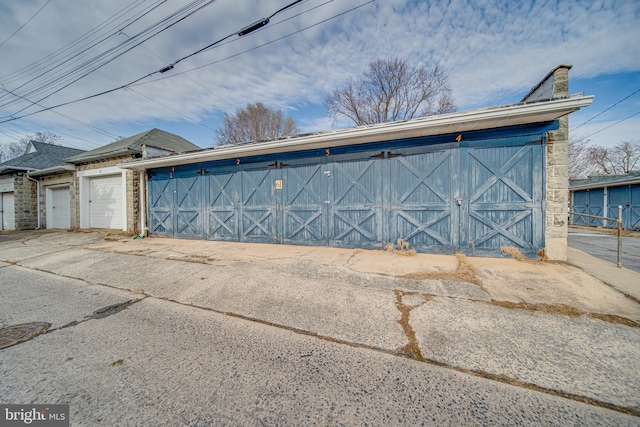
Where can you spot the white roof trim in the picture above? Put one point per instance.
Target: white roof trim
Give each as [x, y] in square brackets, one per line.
[486, 118]
[605, 184]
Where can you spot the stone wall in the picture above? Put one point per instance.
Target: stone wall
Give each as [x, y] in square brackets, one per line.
[556, 85]
[26, 203]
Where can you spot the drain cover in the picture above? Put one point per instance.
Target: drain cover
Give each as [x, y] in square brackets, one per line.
[12, 335]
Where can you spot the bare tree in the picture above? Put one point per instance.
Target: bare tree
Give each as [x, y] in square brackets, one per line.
[10, 150]
[580, 164]
[620, 159]
[390, 90]
[256, 122]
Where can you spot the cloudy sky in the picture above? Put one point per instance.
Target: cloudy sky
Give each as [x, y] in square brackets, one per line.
[56, 52]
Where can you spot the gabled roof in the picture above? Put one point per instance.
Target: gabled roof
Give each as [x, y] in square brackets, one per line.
[39, 155]
[133, 145]
[484, 118]
[601, 181]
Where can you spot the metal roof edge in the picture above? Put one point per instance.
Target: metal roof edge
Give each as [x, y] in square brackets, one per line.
[485, 118]
[100, 156]
[6, 169]
[605, 184]
[53, 169]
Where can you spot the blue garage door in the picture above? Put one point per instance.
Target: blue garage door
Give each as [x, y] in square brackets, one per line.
[161, 203]
[633, 214]
[504, 195]
[423, 191]
[590, 202]
[303, 190]
[473, 197]
[627, 196]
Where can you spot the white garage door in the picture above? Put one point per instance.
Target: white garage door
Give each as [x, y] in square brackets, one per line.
[60, 208]
[105, 202]
[8, 212]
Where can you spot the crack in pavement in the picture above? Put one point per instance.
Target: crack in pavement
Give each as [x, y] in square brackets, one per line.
[410, 351]
[412, 348]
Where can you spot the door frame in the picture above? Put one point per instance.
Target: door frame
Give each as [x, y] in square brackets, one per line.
[84, 191]
[49, 201]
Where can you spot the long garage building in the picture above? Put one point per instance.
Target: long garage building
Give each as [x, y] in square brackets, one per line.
[469, 182]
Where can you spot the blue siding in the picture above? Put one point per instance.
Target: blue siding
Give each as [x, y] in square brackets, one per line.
[580, 205]
[633, 215]
[590, 202]
[627, 196]
[221, 198]
[474, 195]
[504, 197]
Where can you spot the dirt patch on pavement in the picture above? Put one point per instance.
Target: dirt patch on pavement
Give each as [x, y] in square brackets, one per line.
[412, 348]
[564, 310]
[464, 273]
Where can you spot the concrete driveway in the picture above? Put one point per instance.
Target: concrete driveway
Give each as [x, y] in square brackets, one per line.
[604, 245]
[547, 328]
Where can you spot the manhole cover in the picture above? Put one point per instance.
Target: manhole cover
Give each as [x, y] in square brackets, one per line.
[12, 335]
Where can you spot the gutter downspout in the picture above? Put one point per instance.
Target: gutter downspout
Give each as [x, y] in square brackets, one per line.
[37, 196]
[142, 182]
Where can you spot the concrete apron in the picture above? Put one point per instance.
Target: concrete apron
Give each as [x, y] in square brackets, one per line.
[545, 326]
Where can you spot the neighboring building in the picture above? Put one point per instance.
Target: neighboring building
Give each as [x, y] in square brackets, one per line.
[107, 196]
[470, 181]
[601, 196]
[22, 199]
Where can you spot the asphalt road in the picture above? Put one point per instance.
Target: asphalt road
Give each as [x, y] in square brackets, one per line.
[605, 246]
[158, 362]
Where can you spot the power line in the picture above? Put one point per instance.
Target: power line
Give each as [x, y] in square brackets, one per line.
[165, 69]
[104, 132]
[191, 119]
[51, 60]
[23, 25]
[605, 110]
[611, 125]
[150, 29]
[189, 77]
[93, 143]
[253, 48]
[76, 144]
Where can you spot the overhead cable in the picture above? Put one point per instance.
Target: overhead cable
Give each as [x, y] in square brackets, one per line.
[23, 25]
[164, 69]
[170, 23]
[604, 111]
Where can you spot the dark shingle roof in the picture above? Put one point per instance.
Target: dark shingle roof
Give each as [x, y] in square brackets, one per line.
[45, 156]
[600, 181]
[133, 145]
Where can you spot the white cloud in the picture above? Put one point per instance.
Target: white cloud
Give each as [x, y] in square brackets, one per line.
[492, 51]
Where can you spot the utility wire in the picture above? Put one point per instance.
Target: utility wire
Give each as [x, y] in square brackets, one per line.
[191, 119]
[611, 125]
[605, 110]
[186, 75]
[93, 143]
[51, 59]
[80, 122]
[122, 53]
[169, 67]
[23, 25]
[76, 144]
[242, 32]
[253, 48]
